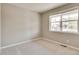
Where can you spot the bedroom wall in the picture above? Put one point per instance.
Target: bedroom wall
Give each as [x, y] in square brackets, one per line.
[0, 25]
[19, 24]
[67, 38]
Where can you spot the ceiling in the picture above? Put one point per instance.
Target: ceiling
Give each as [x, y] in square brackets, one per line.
[39, 7]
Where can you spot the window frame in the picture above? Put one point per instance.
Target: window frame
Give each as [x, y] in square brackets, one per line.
[61, 13]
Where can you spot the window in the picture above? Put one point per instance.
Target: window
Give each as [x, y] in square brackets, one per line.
[66, 22]
[55, 23]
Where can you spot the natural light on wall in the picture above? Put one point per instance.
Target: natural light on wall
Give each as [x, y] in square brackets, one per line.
[64, 22]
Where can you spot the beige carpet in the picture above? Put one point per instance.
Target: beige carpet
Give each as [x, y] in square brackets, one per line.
[39, 47]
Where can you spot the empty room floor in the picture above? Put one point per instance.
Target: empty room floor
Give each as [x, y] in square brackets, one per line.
[39, 47]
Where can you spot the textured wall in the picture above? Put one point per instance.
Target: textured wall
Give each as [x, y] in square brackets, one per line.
[18, 24]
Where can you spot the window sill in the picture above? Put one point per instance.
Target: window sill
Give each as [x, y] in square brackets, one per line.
[66, 32]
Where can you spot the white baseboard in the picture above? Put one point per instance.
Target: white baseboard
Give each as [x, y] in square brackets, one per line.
[61, 43]
[19, 43]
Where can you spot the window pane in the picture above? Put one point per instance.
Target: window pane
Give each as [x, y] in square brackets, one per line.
[72, 15]
[69, 26]
[54, 18]
[55, 26]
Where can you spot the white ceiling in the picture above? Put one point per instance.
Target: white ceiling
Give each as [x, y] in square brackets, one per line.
[38, 7]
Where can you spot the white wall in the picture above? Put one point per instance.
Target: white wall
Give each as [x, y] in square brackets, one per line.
[0, 24]
[58, 36]
[19, 24]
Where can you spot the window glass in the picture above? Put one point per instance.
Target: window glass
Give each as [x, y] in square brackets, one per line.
[70, 16]
[55, 26]
[69, 26]
[55, 18]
